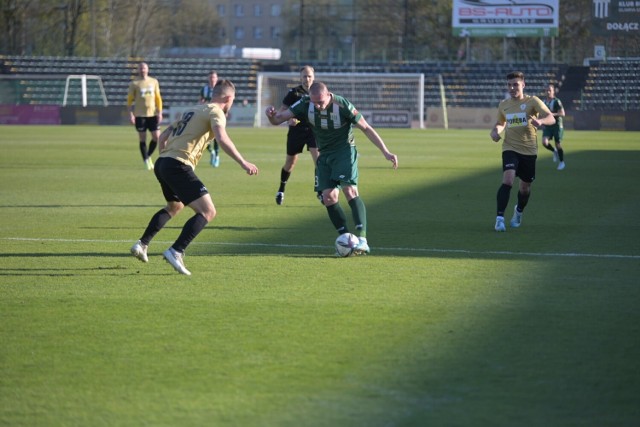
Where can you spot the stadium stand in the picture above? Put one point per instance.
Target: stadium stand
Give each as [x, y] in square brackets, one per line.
[41, 79]
[610, 85]
[466, 84]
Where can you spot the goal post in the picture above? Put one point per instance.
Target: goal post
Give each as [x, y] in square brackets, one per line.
[83, 78]
[392, 99]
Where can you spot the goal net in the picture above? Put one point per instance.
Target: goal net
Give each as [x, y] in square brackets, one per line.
[384, 99]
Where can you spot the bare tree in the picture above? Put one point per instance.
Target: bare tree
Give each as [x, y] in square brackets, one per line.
[12, 25]
[72, 13]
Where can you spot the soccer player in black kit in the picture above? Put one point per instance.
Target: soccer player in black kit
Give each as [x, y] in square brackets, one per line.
[299, 134]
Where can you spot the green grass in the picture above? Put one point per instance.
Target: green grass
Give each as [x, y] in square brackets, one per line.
[446, 323]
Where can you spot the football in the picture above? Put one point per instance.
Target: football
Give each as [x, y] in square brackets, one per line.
[345, 243]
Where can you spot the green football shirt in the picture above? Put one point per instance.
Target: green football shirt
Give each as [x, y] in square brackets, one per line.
[555, 105]
[333, 127]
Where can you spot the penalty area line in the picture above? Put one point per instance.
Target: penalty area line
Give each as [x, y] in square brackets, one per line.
[382, 249]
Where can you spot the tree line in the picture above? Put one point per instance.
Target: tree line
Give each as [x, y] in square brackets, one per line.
[356, 30]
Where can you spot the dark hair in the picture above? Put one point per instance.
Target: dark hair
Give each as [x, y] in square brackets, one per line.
[515, 75]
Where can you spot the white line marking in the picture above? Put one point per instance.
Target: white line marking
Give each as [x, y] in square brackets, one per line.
[282, 245]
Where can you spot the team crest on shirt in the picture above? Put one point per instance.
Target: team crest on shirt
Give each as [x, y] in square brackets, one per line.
[523, 107]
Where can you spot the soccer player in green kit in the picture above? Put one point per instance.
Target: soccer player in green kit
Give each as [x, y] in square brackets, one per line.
[554, 132]
[332, 118]
[519, 117]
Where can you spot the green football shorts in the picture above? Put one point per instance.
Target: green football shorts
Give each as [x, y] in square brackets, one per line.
[337, 168]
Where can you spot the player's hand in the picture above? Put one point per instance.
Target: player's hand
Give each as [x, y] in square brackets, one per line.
[393, 159]
[495, 136]
[250, 168]
[293, 121]
[270, 111]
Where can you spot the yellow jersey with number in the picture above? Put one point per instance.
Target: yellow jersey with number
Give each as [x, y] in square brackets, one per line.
[145, 96]
[192, 132]
[516, 114]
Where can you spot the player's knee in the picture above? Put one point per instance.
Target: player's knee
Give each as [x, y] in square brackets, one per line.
[209, 213]
[174, 208]
[330, 197]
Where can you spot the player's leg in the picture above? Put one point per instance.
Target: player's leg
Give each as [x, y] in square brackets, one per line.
[216, 147]
[526, 171]
[347, 169]
[154, 128]
[295, 145]
[160, 218]
[142, 138]
[314, 156]
[141, 129]
[558, 140]
[215, 154]
[359, 214]
[285, 173]
[546, 143]
[331, 194]
[204, 213]
[509, 164]
[192, 192]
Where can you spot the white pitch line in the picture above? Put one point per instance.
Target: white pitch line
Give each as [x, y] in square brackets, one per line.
[283, 245]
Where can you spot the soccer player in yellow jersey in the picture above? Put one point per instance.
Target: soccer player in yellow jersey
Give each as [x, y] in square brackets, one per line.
[519, 118]
[145, 108]
[181, 147]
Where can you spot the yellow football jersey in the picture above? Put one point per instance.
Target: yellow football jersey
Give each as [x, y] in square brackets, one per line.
[145, 94]
[519, 134]
[192, 133]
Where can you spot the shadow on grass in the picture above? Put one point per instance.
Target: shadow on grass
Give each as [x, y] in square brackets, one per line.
[555, 343]
[572, 212]
[552, 343]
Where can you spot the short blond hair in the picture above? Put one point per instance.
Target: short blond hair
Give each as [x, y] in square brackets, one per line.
[224, 88]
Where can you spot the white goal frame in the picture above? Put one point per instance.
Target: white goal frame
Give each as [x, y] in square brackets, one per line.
[415, 106]
[83, 88]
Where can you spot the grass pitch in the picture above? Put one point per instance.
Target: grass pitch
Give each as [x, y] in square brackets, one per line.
[446, 323]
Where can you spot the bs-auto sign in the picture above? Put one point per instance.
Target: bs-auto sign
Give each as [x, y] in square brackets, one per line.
[505, 18]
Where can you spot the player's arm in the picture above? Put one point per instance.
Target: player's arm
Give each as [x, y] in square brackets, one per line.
[545, 117]
[131, 96]
[159, 103]
[373, 136]
[498, 128]
[164, 137]
[277, 117]
[230, 148]
[292, 121]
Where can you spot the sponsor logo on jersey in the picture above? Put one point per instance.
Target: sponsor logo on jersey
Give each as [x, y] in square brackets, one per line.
[516, 120]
